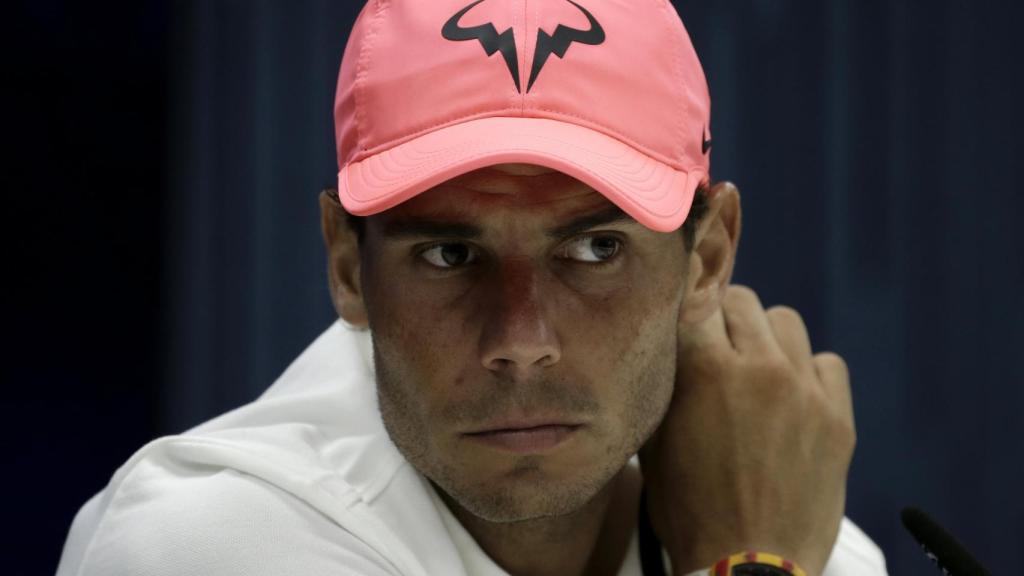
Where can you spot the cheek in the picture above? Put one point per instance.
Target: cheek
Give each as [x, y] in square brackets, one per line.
[628, 347]
[413, 383]
[637, 371]
[648, 389]
[399, 312]
[629, 324]
[420, 346]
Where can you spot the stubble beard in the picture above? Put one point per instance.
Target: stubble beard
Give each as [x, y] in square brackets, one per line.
[519, 498]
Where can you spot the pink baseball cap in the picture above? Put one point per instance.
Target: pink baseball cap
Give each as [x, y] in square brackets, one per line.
[610, 92]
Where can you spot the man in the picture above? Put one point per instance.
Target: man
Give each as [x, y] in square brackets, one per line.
[540, 366]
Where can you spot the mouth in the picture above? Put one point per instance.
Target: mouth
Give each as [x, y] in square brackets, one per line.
[525, 439]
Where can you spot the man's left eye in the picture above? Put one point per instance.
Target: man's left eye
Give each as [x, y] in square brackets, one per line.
[592, 249]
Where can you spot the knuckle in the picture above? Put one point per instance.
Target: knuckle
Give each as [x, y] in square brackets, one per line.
[785, 313]
[706, 365]
[845, 434]
[851, 433]
[821, 403]
[775, 379]
[775, 368]
[830, 363]
[705, 362]
[739, 291]
[787, 321]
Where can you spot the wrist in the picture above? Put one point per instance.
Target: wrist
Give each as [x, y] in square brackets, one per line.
[709, 555]
[751, 563]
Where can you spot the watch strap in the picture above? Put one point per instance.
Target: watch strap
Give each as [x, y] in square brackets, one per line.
[756, 564]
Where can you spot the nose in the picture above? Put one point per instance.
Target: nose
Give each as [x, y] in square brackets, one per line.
[517, 335]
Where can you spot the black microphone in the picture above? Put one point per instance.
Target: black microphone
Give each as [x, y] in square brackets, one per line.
[948, 554]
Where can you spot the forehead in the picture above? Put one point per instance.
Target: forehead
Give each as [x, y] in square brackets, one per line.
[525, 189]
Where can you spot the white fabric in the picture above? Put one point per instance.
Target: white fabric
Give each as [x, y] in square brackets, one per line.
[302, 481]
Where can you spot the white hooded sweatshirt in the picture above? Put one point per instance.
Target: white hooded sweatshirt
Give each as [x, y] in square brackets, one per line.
[303, 481]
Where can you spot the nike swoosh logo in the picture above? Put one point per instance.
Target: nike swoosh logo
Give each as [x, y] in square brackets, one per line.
[489, 38]
[559, 42]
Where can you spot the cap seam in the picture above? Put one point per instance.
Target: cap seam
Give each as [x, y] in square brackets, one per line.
[515, 98]
[524, 77]
[676, 68]
[362, 70]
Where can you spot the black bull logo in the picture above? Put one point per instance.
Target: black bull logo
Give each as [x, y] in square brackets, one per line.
[557, 43]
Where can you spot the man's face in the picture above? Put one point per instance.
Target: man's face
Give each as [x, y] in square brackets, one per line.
[512, 296]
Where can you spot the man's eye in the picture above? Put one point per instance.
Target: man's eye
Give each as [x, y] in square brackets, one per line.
[592, 249]
[449, 255]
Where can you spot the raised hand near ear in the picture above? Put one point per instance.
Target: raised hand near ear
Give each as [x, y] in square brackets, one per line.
[754, 451]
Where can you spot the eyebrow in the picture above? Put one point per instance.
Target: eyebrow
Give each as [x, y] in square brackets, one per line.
[426, 228]
[610, 215]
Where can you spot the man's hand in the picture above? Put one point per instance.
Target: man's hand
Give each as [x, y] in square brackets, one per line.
[754, 451]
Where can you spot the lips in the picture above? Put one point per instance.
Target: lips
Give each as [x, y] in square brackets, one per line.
[523, 437]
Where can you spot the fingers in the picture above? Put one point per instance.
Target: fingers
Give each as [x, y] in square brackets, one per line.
[754, 331]
[791, 334]
[746, 322]
[709, 333]
[742, 325]
[834, 376]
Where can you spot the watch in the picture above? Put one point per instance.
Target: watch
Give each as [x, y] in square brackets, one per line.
[756, 569]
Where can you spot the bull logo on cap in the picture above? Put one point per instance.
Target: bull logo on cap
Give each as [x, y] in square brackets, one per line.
[547, 44]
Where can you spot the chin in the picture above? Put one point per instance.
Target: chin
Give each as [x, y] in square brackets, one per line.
[526, 493]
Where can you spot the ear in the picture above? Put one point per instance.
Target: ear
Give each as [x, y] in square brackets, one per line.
[714, 254]
[343, 261]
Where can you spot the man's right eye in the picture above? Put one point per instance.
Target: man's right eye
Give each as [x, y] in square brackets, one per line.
[449, 255]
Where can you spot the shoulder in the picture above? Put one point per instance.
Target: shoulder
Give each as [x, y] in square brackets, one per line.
[209, 521]
[282, 485]
[855, 554]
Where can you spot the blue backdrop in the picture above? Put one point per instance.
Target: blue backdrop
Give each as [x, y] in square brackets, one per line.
[876, 145]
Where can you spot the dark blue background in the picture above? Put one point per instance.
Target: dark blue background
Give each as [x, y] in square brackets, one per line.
[165, 263]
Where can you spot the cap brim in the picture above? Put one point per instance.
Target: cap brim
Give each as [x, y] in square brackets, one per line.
[655, 194]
